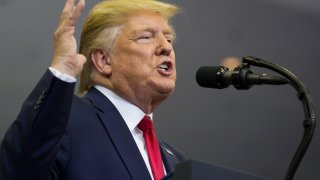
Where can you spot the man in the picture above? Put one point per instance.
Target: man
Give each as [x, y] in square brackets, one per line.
[127, 66]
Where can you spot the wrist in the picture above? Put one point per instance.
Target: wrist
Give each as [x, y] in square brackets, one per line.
[62, 76]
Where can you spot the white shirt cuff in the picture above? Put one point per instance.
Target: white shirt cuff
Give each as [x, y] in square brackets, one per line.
[61, 76]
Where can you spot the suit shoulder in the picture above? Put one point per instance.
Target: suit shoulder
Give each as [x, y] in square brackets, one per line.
[81, 103]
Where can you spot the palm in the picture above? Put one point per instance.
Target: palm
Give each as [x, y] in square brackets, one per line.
[66, 59]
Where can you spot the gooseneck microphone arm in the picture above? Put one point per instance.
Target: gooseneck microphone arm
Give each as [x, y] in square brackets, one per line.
[243, 78]
[305, 97]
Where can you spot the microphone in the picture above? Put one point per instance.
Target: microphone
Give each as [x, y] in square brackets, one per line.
[241, 77]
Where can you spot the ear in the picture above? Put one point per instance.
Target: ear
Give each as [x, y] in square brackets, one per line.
[101, 61]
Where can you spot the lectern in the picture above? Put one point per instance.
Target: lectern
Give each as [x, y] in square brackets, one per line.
[199, 170]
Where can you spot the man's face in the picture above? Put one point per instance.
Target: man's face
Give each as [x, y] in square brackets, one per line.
[142, 60]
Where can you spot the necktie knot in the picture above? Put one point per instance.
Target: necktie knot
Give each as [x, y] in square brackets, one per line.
[145, 124]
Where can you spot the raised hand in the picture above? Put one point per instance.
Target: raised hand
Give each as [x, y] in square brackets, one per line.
[66, 59]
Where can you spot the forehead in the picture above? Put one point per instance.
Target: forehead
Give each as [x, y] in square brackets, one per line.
[147, 21]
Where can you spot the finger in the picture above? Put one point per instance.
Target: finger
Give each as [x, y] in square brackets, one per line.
[81, 3]
[71, 18]
[78, 10]
[68, 7]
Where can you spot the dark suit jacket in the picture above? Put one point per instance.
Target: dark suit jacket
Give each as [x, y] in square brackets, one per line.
[61, 136]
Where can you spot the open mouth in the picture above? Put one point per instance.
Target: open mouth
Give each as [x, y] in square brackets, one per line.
[165, 67]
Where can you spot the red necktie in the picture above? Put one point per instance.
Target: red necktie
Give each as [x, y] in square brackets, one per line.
[152, 144]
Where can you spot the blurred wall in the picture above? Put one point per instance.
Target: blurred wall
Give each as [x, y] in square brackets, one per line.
[256, 131]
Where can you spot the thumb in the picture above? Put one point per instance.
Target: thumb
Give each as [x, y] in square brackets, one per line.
[80, 59]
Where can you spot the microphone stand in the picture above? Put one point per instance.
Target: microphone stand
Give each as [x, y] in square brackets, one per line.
[305, 97]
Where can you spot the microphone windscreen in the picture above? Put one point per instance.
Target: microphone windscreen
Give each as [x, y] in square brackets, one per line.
[206, 76]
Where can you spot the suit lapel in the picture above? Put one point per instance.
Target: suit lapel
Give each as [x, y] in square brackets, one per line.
[171, 157]
[120, 135]
[167, 158]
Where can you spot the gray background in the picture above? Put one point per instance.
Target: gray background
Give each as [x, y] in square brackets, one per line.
[256, 131]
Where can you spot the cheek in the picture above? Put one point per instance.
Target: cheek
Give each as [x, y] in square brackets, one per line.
[138, 55]
[142, 61]
[131, 57]
[144, 54]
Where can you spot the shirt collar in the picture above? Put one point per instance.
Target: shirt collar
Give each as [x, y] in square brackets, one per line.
[131, 113]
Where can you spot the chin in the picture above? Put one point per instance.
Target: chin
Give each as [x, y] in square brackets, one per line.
[161, 87]
[166, 90]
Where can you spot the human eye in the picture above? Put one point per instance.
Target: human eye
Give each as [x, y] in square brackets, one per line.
[170, 39]
[144, 37]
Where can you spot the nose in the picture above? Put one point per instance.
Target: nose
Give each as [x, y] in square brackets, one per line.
[164, 47]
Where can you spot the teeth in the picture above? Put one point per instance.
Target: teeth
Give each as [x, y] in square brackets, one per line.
[163, 66]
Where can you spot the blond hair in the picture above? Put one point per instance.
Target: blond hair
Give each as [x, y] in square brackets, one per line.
[103, 23]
